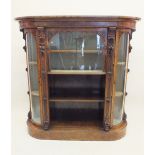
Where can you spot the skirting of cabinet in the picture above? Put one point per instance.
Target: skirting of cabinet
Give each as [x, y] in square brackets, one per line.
[75, 131]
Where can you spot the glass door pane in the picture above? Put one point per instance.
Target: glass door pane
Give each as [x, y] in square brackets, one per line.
[33, 78]
[75, 52]
[76, 74]
[121, 69]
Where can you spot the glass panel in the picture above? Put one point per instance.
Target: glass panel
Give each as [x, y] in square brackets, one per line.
[35, 109]
[118, 110]
[31, 48]
[123, 48]
[120, 79]
[33, 77]
[76, 51]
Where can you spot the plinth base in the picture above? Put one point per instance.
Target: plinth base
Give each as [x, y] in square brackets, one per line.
[87, 131]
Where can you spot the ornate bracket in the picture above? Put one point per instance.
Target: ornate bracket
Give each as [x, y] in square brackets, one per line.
[107, 126]
[41, 39]
[24, 37]
[24, 48]
[130, 37]
[111, 40]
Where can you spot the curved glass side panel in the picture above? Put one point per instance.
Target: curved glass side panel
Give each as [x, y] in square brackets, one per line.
[33, 78]
[76, 51]
[121, 69]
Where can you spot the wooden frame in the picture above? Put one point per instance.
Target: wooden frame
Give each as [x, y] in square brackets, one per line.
[110, 29]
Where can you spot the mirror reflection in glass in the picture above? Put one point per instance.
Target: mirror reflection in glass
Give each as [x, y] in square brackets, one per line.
[76, 51]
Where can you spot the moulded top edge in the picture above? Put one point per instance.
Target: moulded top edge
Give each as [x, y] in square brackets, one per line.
[77, 18]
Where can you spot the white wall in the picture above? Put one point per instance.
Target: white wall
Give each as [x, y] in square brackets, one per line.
[133, 142]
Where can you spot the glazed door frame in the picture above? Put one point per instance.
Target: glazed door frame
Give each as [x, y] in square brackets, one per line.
[102, 32]
[43, 76]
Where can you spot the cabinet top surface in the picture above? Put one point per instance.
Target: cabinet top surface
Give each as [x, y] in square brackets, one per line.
[78, 18]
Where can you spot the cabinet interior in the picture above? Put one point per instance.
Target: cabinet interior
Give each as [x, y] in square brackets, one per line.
[76, 97]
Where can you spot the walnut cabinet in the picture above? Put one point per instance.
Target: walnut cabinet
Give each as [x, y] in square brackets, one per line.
[77, 70]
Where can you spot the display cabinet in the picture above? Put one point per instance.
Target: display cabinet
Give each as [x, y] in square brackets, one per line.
[77, 69]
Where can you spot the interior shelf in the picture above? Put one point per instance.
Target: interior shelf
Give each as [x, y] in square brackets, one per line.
[74, 51]
[69, 99]
[35, 93]
[77, 72]
[121, 63]
[72, 99]
[32, 62]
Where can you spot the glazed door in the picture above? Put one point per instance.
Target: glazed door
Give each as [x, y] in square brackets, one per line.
[76, 51]
[76, 72]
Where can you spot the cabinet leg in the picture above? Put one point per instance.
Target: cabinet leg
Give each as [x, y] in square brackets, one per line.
[46, 125]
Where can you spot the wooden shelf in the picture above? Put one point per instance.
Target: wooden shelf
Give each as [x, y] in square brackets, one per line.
[91, 100]
[32, 62]
[121, 63]
[74, 51]
[119, 93]
[77, 72]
